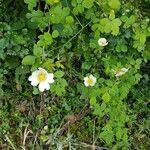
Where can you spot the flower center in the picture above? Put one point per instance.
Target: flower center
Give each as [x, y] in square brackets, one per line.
[89, 81]
[41, 76]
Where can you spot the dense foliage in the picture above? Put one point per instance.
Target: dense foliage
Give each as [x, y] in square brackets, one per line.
[62, 36]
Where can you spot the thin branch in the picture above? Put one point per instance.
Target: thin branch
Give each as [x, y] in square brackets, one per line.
[9, 141]
[91, 146]
[73, 36]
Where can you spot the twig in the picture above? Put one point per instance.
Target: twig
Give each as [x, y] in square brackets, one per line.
[91, 146]
[73, 36]
[51, 139]
[42, 107]
[25, 134]
[9, 141]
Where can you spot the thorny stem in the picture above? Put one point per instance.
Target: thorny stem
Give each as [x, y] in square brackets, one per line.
[42, 102]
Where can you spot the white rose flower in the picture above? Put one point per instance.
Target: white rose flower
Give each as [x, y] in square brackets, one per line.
[42, 78]
[45, 127]
[89, 81]
[120, 72]
[102, 42]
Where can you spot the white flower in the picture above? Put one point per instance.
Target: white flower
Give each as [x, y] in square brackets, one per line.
[45, 127]
[90, 80]
[120, 72]
[102, 42]
[42, 78]
[127, 10]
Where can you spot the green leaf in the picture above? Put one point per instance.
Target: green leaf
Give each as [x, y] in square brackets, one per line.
[142, 38]
[106, 97]
[59, 86]
[114, 4]
[69, 20]
[12, 61]
[45, 39]
[52, 2]
[88, 3]
[22, 70]
[3, 43]
[124, 48]
[119, 134]
[86, 65]
[37, 51]
[59, 74]
[31, 3]
[35, 91]
[28, 60]
[48, 38]
[92, 101]
[18, 25]
[112, 15]
[55, 34]
[63, 82]
[128, 21]
[1, 93]
[49, 64]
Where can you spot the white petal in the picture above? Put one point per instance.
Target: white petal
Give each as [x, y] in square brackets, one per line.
[44, 86]
[93, 78]
[105, 44]
[34, 75]
[85, 78]
[30, 78]
[124, 69]
[33, 78]
[102, 42]
[119, 74]
[85, 83]
[42, 69]
[50, 77]
[34, 82]
[92, 84]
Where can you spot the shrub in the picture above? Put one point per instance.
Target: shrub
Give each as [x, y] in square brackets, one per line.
[66, 38]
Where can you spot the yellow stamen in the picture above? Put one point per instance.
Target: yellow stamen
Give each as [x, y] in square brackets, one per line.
[89, 81]
[41, 76]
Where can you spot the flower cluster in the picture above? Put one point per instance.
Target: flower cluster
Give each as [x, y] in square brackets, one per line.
[43, 79]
